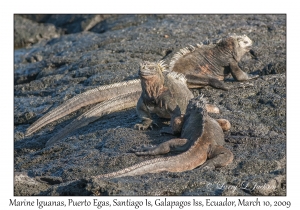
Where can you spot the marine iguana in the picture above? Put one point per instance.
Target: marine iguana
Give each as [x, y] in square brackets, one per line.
[208, 64]
[203, 65]
[163, 92]
[201, 143]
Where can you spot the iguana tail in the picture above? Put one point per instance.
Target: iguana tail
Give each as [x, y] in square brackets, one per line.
[150, 166]
[95, 95]
[178, 163]
[111, 105]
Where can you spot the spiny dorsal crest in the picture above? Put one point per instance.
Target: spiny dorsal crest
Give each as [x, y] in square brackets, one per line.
[160, 64]
[201, 100]
[198, 103]
[150, 68]
[177, 76]
[185, 51]
[181, 53]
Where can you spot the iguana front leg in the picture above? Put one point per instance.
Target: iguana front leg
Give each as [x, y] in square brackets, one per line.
[238, 74]
[144, 114]
[163, 148]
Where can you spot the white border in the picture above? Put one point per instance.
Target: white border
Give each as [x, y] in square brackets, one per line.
[162, 6]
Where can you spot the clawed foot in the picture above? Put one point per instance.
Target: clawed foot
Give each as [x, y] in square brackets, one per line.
[243, 85]
[243, 78]
[145, 126]
[252, 76]
[208, 165]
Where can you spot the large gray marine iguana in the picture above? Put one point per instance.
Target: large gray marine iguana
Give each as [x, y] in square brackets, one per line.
[163, 92]
[202, 65]
[201, 144]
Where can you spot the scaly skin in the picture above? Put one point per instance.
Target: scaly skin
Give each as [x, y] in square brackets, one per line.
[201, 144]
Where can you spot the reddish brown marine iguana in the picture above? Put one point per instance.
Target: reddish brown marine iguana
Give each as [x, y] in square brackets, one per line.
[203, 65]
[201, 144]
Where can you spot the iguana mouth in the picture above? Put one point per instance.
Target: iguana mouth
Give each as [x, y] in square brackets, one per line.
[248, 48]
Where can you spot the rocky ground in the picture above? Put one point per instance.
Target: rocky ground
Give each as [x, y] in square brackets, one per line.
[59, 56]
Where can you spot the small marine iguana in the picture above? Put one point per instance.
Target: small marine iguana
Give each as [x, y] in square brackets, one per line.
[208, 64]
[203, 65]
[201, 144]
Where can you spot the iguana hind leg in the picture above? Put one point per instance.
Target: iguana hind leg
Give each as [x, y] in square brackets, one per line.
[218, 156]
[163, 148]
[194, 81]
[225, 124]
[212, 108]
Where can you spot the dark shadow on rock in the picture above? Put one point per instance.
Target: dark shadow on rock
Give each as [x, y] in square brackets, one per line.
[73, 188]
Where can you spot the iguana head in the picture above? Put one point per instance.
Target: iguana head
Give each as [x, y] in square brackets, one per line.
[244, 42]
[244, 45]
[198, 103]
[152, 79]
[237, 45]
